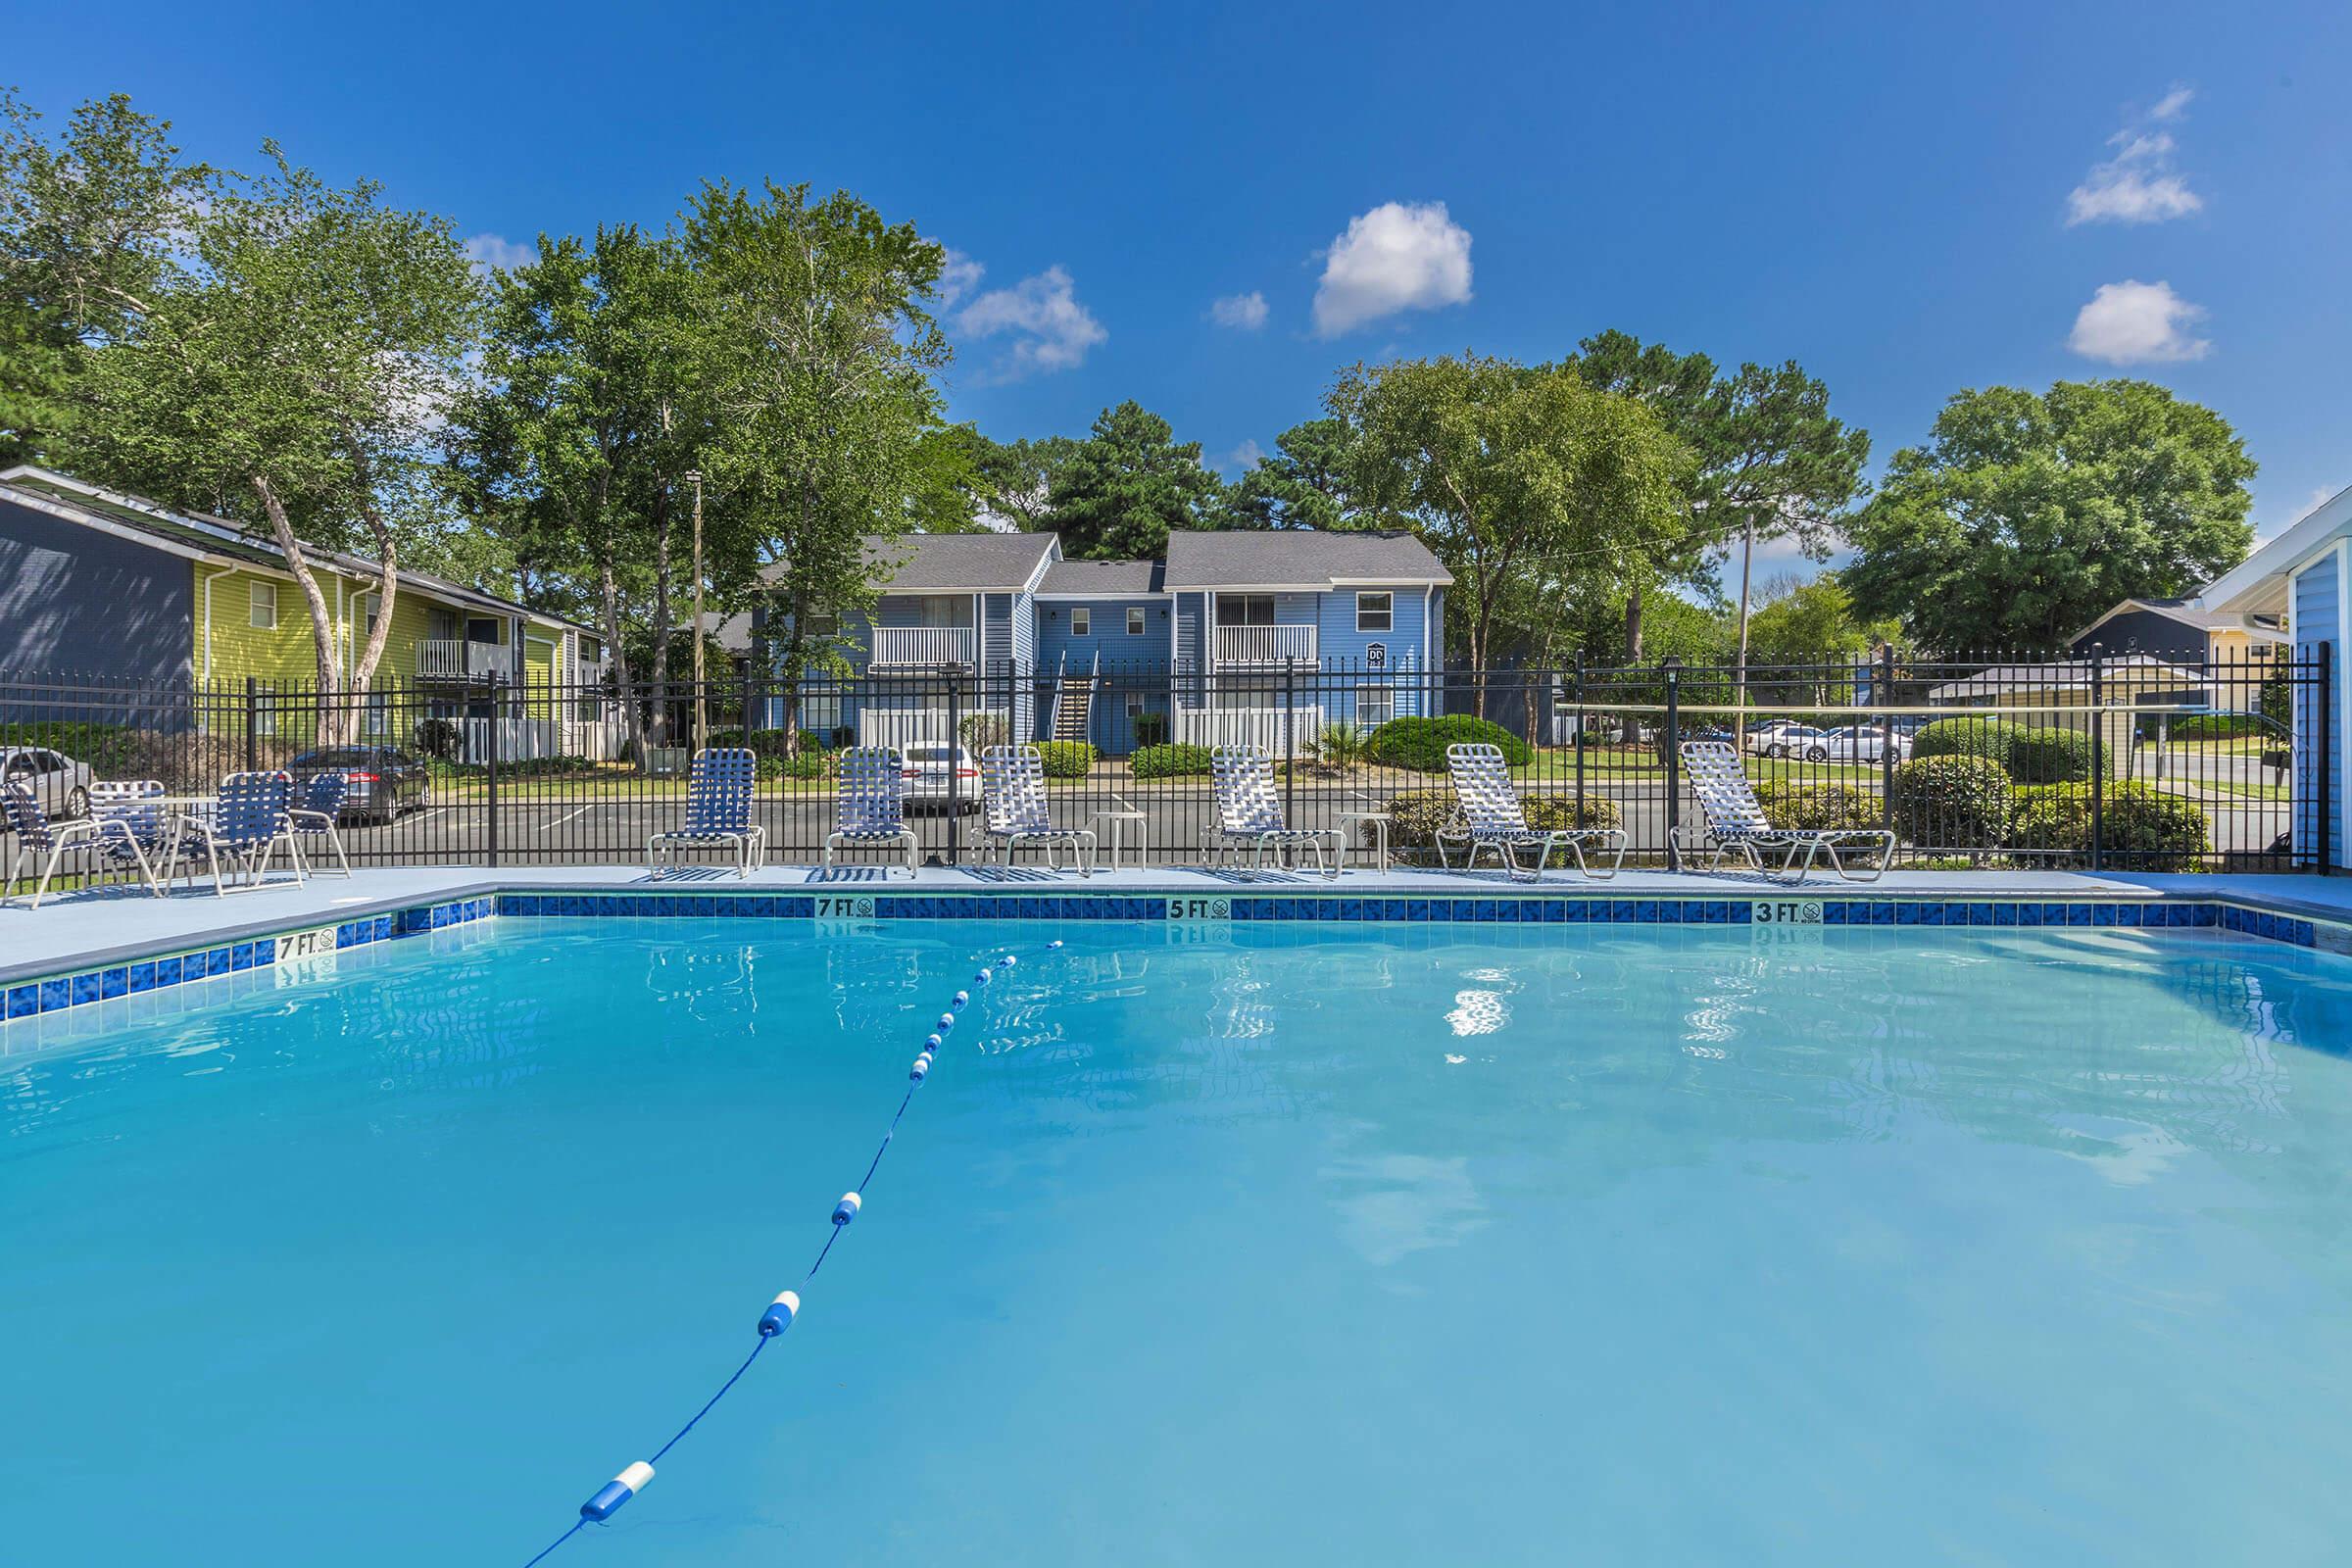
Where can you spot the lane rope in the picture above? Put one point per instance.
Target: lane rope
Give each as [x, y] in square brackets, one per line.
[780, 1312]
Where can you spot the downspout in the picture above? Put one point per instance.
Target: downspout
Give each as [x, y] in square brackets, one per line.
[208, 617]
[1429, 602]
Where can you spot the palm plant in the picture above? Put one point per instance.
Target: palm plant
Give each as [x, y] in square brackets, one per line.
[1339, 743]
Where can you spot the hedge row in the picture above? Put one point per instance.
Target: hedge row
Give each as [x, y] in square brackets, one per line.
[1170, 759]
[1419, 744]
[2027, 754]
[1967, 803]
[1416, 815]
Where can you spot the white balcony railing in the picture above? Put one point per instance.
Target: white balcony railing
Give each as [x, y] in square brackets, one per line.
[1265, 645]
[921, 647]
[449, 656]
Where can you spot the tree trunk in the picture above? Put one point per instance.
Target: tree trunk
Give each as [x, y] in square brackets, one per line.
[1633, 624]
[609, 590]
[387, 589]
[322, 626]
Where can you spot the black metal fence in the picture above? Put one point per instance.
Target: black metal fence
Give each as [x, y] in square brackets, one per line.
[2109, 762]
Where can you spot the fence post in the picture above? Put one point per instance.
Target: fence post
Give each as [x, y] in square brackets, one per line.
[1673, 669]
[1577, 735]
[2098, 755]
[252, 722]
[2319, 758]
[954, 774]
[1289, 746]
[1884, 692]
[490, 729]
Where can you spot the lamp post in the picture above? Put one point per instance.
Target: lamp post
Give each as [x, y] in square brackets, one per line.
[694, 477]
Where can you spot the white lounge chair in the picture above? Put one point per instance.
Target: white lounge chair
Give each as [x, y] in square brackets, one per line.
[1492, 818]
[870, 803]
[118, 833]
[1249, 812]
[1736, 820]
[1012, 793]
[718, 812]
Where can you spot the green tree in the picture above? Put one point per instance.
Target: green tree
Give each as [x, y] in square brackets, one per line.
[1811, 626]
[1520, 480]
[2025, 517]
[1128, 485]
[1770, 461]
[90, 227]
[296, 371]
[572, 445]
[816, 355]
[1300, 484]
[1012, 482]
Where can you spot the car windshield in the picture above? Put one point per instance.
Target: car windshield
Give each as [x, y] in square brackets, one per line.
[344, 757]
[929, 754]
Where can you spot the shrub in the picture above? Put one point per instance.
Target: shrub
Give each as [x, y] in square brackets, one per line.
[1818, 805]
[1067, 759]
[1987, 738]
[2144, 828]
[1171, 760]
[2214, 726]
[1339, 743]
[1416, 815]
[1151, 729]
[2053, 755]
[438, 739]
[1953, 802]
[1419, 744]
[810, 764]
[980, 731]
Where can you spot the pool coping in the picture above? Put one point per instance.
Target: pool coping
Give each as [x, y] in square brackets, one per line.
[287, 925]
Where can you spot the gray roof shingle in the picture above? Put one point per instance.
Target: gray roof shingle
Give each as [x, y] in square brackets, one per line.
[1299, 558]
[1108, 579]
[958, 563]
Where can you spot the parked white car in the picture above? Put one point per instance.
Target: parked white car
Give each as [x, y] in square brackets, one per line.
[1858, 743]
[1778, 739]
[929, 770]
[60, 784]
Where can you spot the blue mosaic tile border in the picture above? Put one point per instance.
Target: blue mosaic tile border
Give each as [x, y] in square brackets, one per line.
[32, 999]
[136, 977]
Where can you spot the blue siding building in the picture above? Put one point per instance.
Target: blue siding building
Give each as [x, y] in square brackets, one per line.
[1258, 637]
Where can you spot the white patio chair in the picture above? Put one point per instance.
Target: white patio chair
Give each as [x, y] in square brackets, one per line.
[1492, 818]
[115, 835]
[870, 803]
[719, 787]
[1736, 820]
[1013, 794]
[1249, 812]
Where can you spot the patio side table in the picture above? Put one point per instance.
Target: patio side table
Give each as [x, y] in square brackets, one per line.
[1378, 821]
[1117, 830]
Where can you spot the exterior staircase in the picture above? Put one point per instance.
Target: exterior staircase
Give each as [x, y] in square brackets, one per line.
[1075, 702]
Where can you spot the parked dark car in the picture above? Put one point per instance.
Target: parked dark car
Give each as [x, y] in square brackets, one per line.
[383, 781]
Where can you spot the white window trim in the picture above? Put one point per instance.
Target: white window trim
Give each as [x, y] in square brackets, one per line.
[1139, 620]
[1082, 621]
[257, 595]
[1386, 695]
[1388, 613]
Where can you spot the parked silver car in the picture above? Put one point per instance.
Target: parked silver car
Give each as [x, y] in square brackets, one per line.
[60, 784]
[1858, 743]
[1782, 739]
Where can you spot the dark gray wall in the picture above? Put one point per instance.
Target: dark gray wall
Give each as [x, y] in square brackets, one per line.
[2143, 631]
[73, 601]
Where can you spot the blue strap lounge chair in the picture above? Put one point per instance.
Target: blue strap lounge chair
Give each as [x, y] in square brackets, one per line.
[870, 804]
[1012, 792]
[719, 811]
[104, 840]
[252, 816]
[1491, 818]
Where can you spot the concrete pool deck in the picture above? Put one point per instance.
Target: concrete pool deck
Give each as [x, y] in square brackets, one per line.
[104, 925]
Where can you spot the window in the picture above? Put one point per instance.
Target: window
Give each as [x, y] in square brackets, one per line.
[1375, 611]
[1375, 706]
[1082, 621]
[820, 711]
[1135, 705]
[1135, 621]
[379, 717]
[373, 606]
[261, 606]
[820, 624]
[1245, 609]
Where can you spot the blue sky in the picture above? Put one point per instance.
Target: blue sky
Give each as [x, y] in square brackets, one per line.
[1907, 201]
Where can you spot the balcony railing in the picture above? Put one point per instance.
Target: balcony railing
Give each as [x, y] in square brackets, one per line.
[1265, 645]
[921, 647]
[455, 657]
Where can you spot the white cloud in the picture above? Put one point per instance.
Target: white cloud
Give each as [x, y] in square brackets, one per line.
[2138, 323]
[959, 276]
[1243, 458]
[488, 250]
[1049, 330]
[1245, 311]
[2138, 184]
[1393, 258]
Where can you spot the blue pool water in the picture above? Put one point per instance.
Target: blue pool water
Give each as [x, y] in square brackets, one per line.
[1335, 1246]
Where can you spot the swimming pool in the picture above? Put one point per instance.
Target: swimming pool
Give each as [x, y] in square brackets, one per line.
[1270, 1244]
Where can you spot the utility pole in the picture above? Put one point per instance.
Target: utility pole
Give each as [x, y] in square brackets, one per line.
[702, 730]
